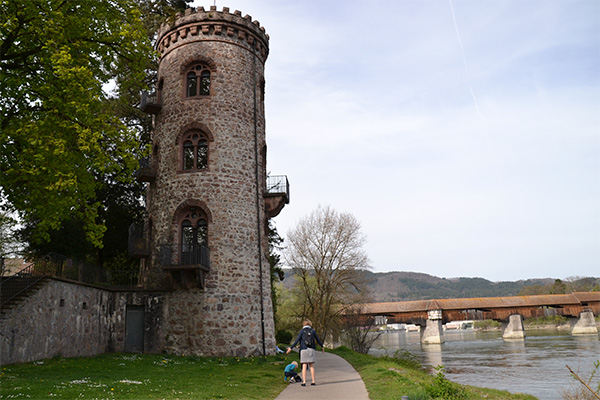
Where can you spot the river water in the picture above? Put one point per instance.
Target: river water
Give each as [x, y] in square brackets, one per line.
[536, 365]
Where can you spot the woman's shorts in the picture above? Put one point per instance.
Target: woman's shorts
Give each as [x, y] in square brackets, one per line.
[307, 356]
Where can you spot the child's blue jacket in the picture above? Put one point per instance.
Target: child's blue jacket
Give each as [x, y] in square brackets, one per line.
[289, 368]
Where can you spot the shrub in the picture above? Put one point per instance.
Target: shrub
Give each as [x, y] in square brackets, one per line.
[487, 324]
[407, 359]
[283, 336]
[442, 388]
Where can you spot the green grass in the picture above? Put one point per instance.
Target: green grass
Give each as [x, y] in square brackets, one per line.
[390, 378]
[128, 376]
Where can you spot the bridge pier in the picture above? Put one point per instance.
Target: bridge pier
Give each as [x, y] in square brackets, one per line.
[433, 332]
[586, 324]
[514, 329]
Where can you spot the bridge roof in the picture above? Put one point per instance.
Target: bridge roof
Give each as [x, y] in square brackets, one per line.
[587, 296]
[479, 303]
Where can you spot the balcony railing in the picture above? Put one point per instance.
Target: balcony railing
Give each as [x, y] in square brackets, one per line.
[177, 256]
[277, 194]
[149, 104]
[186, 267]
[278, 185]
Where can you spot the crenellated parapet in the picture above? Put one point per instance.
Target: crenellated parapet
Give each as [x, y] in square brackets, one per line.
[197, 24]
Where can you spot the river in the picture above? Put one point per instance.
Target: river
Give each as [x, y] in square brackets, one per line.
[536, 365]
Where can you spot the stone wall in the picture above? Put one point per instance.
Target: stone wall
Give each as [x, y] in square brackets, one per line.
[72, 320]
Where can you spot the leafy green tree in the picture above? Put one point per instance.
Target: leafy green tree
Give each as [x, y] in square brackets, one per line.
[558, 287]
[62, 135]
[118, 197]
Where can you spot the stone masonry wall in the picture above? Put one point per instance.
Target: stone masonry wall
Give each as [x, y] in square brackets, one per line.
[71, 320]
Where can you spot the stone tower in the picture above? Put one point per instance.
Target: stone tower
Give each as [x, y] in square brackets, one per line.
[209, 198]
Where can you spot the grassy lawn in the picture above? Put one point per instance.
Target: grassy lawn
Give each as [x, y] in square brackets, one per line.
[128, 376]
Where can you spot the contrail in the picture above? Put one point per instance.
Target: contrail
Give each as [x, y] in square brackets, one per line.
[462, 48]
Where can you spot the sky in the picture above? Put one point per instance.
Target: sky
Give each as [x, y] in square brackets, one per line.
[463, 135]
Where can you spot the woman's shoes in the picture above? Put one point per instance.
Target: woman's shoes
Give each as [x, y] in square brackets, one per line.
[313, 384]
[303, 384]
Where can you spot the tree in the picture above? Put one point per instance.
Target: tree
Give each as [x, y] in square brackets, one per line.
[277, 274]
[359, 332]
[326, 253]
[533, 290]
[62, 136]
[558, 287]
[580, 284]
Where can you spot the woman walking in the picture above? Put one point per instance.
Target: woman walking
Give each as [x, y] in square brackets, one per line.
[307, 337]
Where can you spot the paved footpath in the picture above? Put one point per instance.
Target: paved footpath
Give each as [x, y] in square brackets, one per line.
[335, 378]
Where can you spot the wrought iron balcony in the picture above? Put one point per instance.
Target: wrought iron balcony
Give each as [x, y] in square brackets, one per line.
[187, 266]
[150, 104]
[178, 256]
[147, 170]
[277, 194]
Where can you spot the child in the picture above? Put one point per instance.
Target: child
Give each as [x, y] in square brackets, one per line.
[290, 373]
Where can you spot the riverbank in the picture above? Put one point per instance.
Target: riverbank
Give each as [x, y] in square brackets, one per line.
[402, 375]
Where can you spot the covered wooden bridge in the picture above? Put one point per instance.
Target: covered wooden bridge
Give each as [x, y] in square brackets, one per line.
[510, 310]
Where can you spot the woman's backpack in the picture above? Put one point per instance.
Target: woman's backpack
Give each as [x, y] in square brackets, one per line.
[308, 337]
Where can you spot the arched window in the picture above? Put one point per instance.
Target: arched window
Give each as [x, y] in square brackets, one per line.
[194, 237]
[194, 152]
[198, 81]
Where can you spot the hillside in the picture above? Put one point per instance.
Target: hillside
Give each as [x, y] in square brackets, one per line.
[399, 286]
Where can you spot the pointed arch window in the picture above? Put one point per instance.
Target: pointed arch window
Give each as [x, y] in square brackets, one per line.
[198, 81]
[194, 152]
[194, 238]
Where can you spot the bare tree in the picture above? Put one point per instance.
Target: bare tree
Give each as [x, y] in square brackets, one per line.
[326, 252]
[359, 332]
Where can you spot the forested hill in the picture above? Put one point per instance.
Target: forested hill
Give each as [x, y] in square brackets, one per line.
[399, 286]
